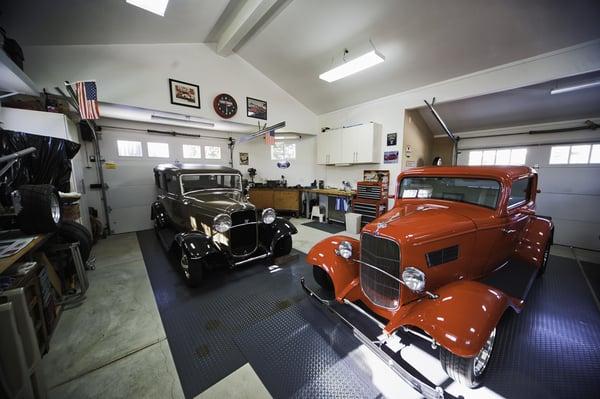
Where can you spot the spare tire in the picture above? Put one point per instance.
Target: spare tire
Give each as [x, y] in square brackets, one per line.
[74, 232]
[39, 208]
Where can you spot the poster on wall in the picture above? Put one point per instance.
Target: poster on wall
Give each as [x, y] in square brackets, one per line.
[392, 139]
[390, 157]
[256, 108]
[243, 158]
[186, 94]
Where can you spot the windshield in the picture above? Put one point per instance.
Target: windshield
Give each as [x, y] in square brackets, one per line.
[208, 181]
[483, 192]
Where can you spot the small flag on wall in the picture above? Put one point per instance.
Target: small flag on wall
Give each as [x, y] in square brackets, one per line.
[270, 137]
[87, 96]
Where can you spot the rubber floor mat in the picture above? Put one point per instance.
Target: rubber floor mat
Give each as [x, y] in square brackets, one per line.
[332, 228]
[592, 271]
[261, 316]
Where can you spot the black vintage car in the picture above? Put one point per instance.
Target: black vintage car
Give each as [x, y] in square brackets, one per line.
[203, 215]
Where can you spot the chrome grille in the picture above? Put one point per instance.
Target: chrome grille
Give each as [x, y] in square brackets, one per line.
[383, 254]
[243, 235]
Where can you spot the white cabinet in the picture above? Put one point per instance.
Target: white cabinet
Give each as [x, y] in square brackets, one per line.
[329, 148]
[351, 145]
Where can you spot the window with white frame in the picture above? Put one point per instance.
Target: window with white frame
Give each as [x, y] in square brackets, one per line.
[504, 156]
[126, 148]
[191, 151]
[212, 152]
[576, 154]
[158, 150]
[281, 151]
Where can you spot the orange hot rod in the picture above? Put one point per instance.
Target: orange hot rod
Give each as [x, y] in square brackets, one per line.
[460, 246]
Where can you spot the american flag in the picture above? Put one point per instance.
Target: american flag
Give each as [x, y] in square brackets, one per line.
[88, 100]
[270, 137]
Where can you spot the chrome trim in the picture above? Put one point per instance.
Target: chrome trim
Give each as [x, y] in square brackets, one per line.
[252, 259]
[378, 269]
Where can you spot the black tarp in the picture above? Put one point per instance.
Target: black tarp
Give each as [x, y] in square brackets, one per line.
[50, 164]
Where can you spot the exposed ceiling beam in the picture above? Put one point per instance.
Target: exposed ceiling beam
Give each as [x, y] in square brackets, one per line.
[241, 22]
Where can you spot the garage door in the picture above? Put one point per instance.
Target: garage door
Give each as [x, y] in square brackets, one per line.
[569, 177]
[131, 181]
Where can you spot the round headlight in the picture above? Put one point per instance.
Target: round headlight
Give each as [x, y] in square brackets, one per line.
[345, 250]
[222, 223]
[268, 216]
[414, 279]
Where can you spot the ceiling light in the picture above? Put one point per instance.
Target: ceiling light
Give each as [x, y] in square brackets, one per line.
[287, 137]
[576, 87]
[154, 6]
[350, 67]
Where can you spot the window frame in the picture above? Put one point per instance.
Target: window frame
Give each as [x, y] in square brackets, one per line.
[283, 144]
[213, 159]
[208, 189]
[483, 152]
[158, 142]
[191, 145]
[131, 156]
[527, 196]
[591, 145]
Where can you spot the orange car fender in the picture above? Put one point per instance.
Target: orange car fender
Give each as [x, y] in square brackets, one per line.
[534, 239]
[460, 319]
[343, 272]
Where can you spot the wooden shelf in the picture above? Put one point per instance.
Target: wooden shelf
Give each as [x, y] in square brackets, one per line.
[13, 79]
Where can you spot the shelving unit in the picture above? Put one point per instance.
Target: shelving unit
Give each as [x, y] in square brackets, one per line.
[13, 79]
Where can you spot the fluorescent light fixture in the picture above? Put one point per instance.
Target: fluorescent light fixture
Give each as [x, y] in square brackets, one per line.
[350, 67]
[574, 88]
[154, 6]
[287, 137]
[182, 118]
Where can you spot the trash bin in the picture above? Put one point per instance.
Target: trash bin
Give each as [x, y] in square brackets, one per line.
[353, 222]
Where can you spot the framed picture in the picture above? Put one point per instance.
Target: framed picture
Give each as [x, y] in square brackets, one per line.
[243, 158]
[186, 94]
[392, 139]
[256, 108]
[390, 157]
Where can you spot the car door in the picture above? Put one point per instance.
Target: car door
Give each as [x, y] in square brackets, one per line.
[518, 210]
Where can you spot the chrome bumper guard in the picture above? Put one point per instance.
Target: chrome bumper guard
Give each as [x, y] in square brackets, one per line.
[428, 391]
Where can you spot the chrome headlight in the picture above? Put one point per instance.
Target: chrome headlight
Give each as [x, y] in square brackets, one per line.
[414, 279]
[345, 250]
[268, 216]
[222, 223]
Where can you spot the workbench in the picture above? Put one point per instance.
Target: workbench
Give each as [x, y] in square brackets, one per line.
[328, 192]
[279, 198]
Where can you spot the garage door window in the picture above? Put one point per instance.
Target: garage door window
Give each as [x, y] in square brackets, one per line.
[577, 154]
[127, 148]
[212, 152]
[158, 150]
[192, 151]
[508, 156]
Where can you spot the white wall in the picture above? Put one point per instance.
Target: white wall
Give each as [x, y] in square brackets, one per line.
[137, 75]
[390, 110]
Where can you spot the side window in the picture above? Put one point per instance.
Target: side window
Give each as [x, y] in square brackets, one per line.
[163, 181]
[172, 184]
[519, 192]
[157, 178]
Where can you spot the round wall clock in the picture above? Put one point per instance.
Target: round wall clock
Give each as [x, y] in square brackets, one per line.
[225, 105]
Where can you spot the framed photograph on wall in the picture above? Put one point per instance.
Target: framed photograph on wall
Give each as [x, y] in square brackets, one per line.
[390, 157]
[243, 158]
[256, 108]
[186, 94]
[392, 139]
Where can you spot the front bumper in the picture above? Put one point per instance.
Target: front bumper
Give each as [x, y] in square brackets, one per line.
[425, 389]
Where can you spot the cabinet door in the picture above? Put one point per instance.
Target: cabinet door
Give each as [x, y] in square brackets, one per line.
[261, 199]
[335, 143]
[287, 200]
[322, 148]
[358, 144]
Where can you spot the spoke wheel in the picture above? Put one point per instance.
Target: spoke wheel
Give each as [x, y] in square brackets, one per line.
[482, 359]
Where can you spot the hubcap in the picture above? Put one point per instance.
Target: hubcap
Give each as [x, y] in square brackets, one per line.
[55, 208]
[185, 266]
[482, 359]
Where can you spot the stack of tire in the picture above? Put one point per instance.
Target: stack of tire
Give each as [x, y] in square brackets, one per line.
[39, 211]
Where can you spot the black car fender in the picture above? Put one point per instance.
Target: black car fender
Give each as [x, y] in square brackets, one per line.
[269, 234]
[196, 244]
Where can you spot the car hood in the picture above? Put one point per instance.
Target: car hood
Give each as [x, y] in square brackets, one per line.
[420, 223]
[216, 202]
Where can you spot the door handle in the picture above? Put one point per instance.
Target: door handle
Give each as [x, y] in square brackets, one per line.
[508, 231]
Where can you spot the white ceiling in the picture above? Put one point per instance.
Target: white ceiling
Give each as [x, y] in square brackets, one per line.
[523, 106]
[424, 41]
[64, 22]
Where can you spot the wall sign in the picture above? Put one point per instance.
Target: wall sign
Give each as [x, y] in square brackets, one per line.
[390, 157]
[243, 158]
[186, 94]
[392, 139]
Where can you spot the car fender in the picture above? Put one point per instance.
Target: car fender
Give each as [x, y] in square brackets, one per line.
[343, 272]
[536, 235]
[196, 244]
[269, 234]
[460, 319]
[158, 212]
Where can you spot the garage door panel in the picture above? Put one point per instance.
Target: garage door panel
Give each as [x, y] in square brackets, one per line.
[129, 174]
[124, 220]
[130, 196]
[570, 179]
[577, 233]
[563, 205]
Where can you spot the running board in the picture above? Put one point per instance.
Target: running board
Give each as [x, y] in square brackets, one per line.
[423, 388]
[263, 256]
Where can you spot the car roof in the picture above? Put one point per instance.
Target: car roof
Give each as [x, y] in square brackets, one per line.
[495, 172]
[181, 168]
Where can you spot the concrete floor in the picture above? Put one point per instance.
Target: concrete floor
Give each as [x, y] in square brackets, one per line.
[114, 344]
